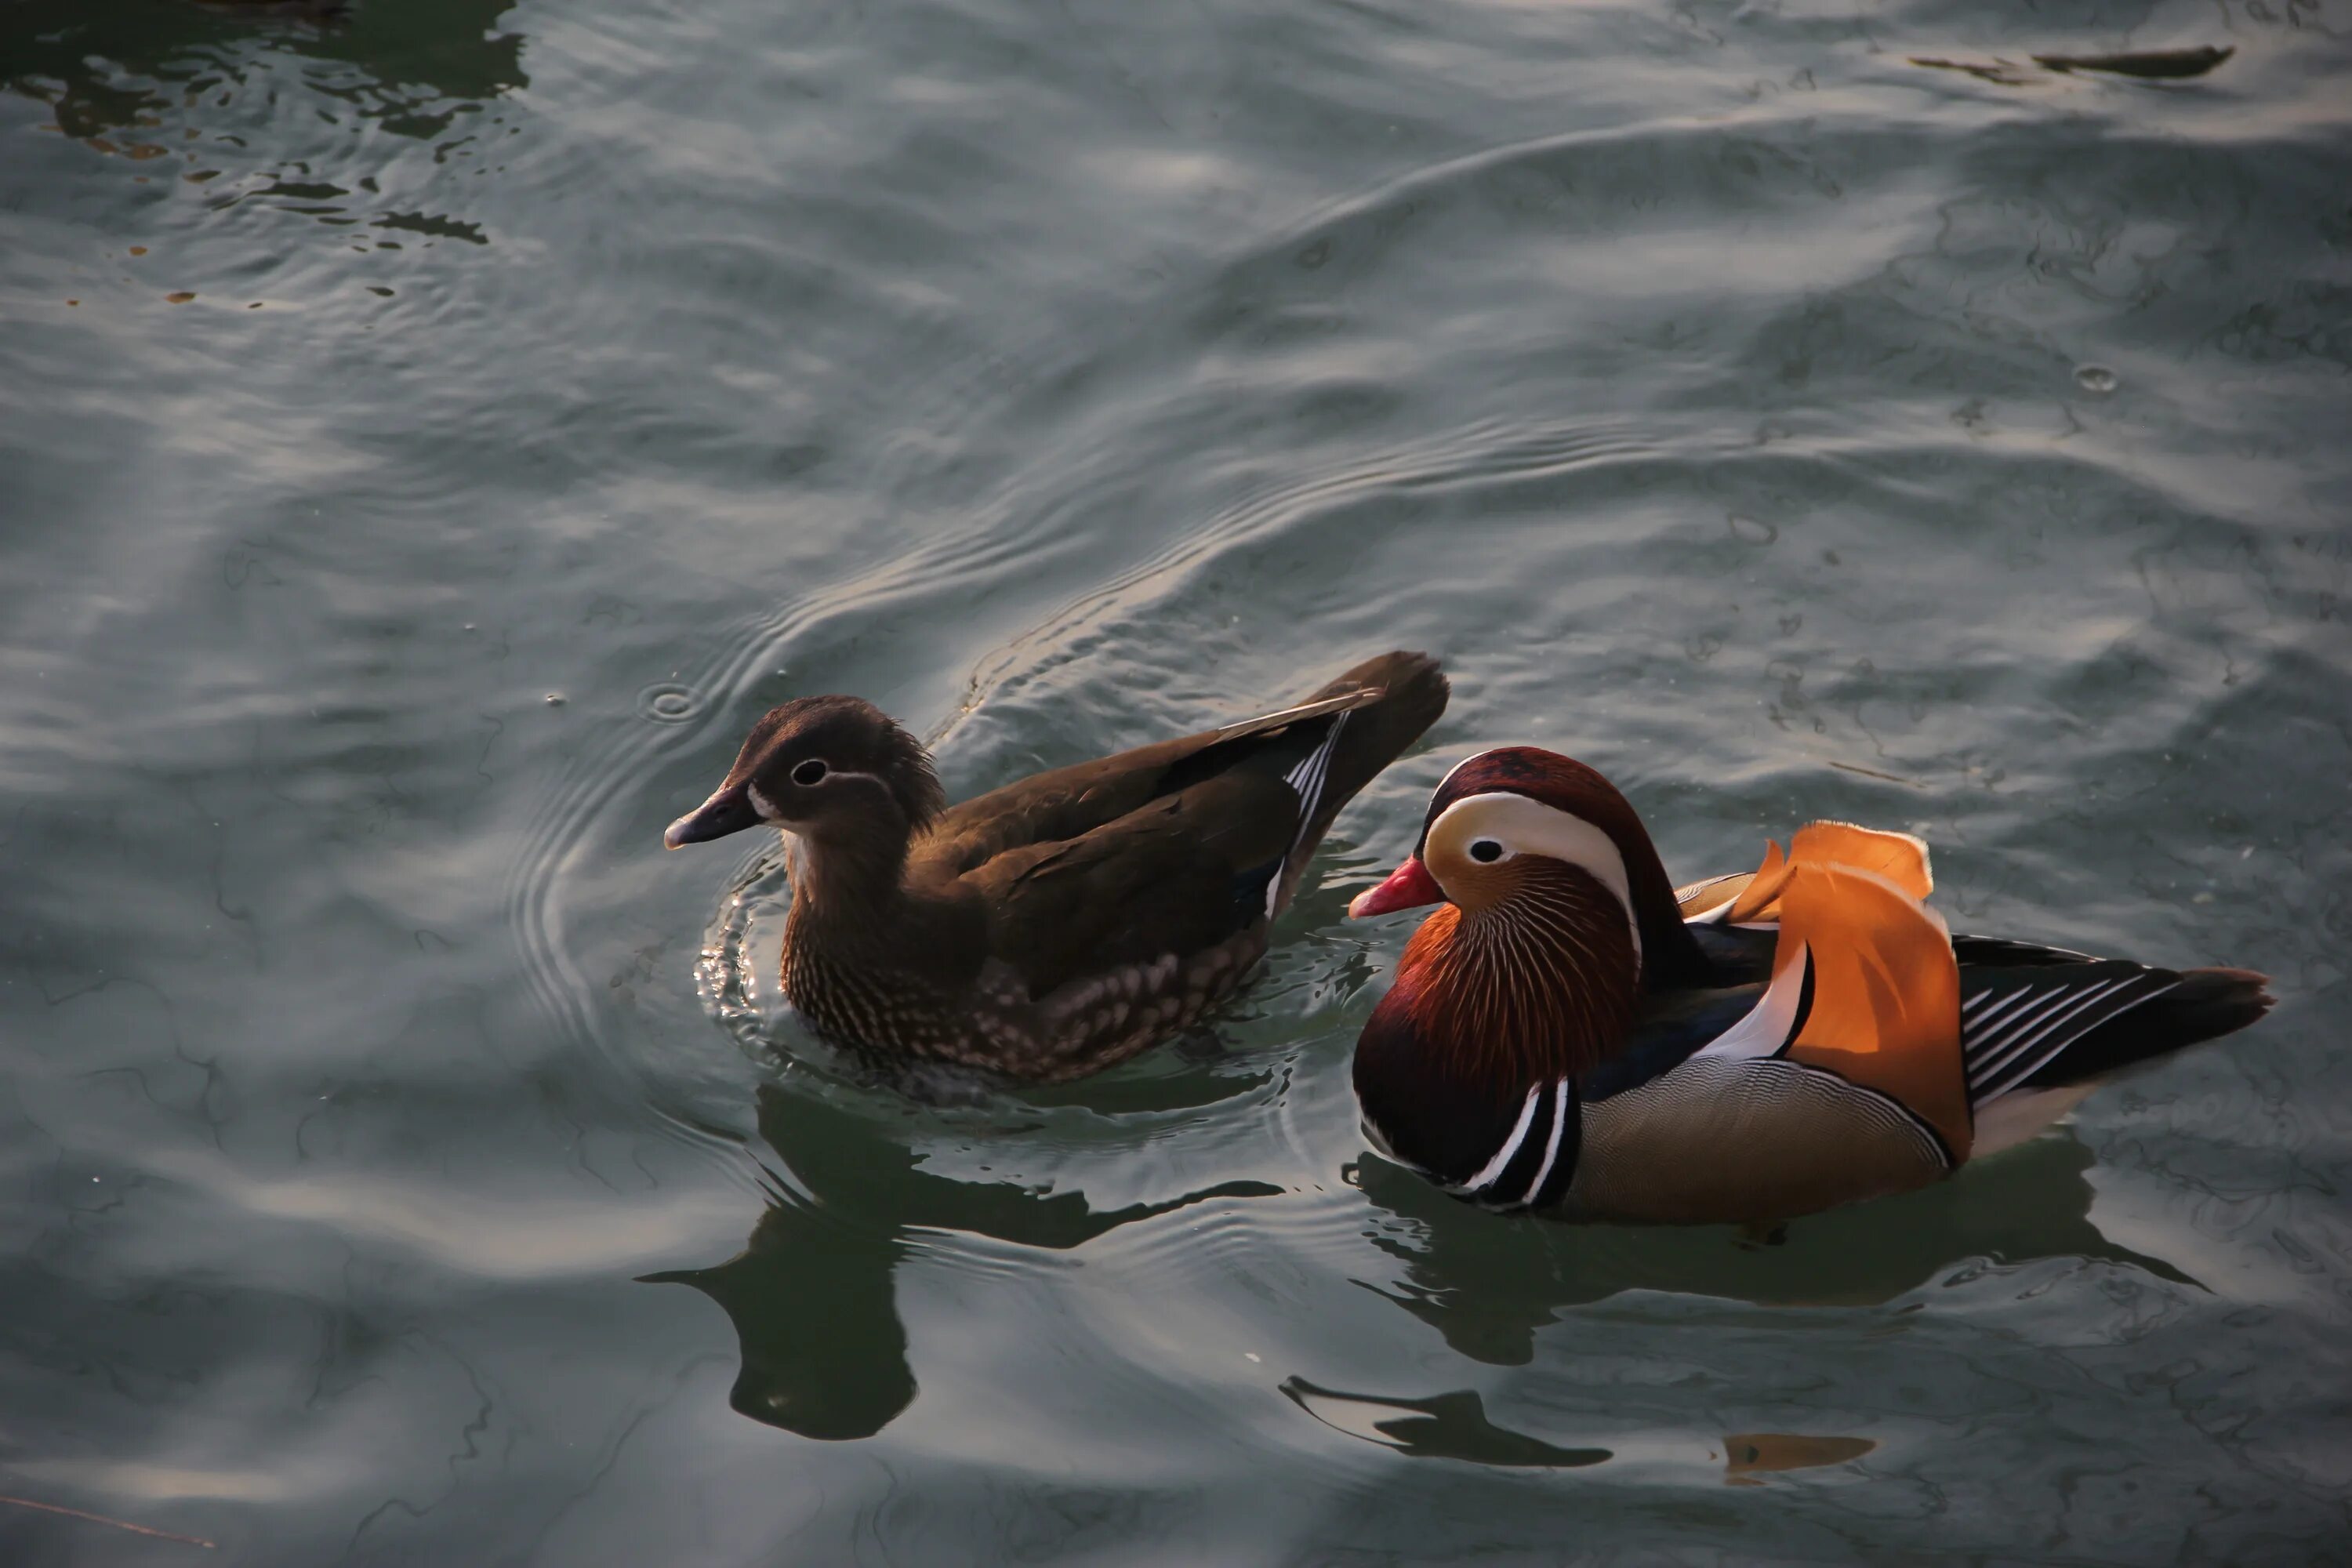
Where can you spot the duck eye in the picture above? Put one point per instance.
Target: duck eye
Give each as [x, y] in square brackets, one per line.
[809, 772]
[1486, 851]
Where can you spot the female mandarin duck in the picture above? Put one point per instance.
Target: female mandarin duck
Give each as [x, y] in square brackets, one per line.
[1570, 1034]
[1050, 928]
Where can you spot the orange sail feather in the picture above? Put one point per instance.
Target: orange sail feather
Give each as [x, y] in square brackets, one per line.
[1886, 989]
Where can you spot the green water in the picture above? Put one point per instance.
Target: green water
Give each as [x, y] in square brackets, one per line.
[403, 1161]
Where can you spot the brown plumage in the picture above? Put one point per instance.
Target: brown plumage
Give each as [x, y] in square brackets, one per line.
[1064, 921]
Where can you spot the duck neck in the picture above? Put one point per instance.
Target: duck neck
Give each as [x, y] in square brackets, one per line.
[1670, 958]
[847, 888]
[1535, 987]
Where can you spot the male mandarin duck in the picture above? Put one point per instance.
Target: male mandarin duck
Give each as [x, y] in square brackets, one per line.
[1063, 922]
[1570, 1034]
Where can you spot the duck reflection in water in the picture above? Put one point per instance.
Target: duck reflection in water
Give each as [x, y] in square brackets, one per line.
[1456, 1426]
[811, 1295]
[134, 64]
[1488, 1282]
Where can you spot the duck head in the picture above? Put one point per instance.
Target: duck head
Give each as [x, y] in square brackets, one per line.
[1555, 914]
[832, 770]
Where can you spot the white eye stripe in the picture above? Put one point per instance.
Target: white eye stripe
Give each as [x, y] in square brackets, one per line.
[767, 809]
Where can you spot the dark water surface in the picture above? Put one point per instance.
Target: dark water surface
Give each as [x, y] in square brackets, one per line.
[428, 439]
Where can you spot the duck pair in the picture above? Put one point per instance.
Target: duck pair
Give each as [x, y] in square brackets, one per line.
[1568, 1034]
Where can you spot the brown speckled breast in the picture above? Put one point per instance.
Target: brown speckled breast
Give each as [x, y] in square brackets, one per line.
[995, 1023]
[864, 1004]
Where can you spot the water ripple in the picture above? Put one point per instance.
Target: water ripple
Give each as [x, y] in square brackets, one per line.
[669, 703]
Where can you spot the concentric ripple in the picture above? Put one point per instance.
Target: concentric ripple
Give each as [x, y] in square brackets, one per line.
[669, 703]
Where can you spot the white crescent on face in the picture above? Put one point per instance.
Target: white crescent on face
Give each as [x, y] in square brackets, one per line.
[1524, 825]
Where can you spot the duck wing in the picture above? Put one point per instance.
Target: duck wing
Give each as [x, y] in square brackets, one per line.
[2038, 1017]
[1178, 877]
[1360, 722]
[1068, 803]
[1177, 848]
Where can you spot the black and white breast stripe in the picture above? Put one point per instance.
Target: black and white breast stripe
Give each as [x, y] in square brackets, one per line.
[1537, 1159]
[1306, 781]
[2015, 1022]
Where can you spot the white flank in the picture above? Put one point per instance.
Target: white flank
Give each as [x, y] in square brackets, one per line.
[2014, 1118]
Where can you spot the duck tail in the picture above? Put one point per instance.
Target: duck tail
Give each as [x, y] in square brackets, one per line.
[1411, 690]
[2204, 1005]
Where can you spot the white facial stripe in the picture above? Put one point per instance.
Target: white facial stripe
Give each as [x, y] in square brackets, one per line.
[768, 809]
[1530, 828]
